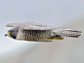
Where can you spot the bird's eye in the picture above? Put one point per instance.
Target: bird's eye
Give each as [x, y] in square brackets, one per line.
[11, 31]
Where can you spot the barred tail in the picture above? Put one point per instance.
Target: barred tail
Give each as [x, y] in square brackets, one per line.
[67, 32]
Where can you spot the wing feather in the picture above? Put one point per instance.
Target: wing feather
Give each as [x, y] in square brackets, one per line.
[13, 24]
[31, 26]
[36, 28]
[25, 23]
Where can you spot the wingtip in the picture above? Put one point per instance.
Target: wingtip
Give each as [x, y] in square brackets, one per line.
[7, 25]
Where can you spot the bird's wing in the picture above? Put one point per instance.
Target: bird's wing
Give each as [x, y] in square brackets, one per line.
[36, 26]
[25, 23]
[13, 24]
[31, 26]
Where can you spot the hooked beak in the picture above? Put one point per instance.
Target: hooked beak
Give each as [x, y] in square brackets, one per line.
[8, 33]
[5, 35]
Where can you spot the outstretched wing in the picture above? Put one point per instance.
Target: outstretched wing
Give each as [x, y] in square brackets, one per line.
[19, 23]
[31, 26]
[25, 23]
[36, 26]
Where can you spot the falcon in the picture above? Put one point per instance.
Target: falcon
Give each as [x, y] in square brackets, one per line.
[30, 31]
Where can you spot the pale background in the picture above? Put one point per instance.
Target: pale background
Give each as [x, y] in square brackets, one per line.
[59, 13]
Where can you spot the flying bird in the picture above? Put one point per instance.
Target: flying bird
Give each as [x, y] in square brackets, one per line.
[30, 31]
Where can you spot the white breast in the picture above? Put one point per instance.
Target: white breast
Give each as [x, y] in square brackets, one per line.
[20, 35]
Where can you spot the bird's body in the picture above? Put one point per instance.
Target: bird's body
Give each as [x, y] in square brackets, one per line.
[34, 35]
[30, 31]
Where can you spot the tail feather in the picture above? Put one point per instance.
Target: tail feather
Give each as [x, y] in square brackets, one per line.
[74, 33]
[68, 32]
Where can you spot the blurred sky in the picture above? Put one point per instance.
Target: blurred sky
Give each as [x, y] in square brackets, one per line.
[52, 12]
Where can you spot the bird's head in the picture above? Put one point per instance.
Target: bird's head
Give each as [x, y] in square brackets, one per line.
[12, 33]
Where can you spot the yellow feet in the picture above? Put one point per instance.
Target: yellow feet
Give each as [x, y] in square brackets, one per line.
[57, 37]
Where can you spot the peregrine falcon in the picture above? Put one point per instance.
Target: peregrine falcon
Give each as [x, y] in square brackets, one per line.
[30, 31]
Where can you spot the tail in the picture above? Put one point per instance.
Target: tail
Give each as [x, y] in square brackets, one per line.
[67, 32]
